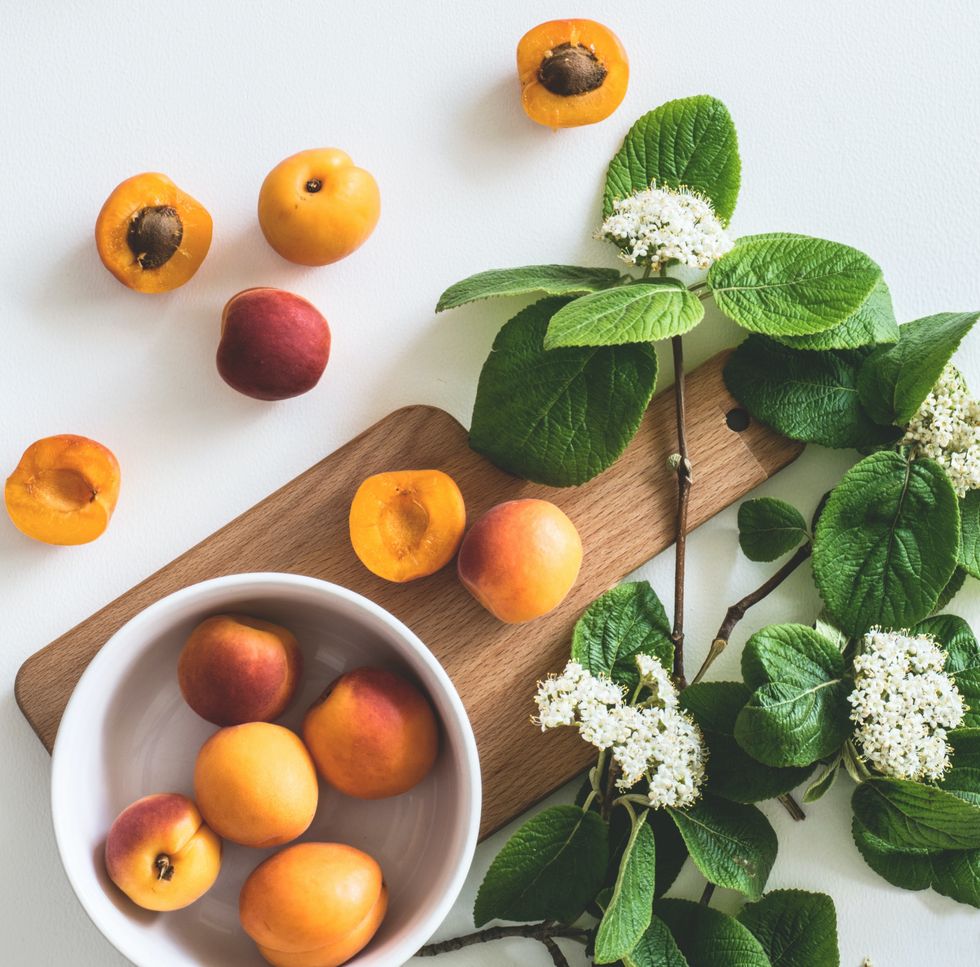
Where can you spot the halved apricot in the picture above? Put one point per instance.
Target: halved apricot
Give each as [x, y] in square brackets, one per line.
[152, 236]
[64, 490]
[572, 72]
[407, 524]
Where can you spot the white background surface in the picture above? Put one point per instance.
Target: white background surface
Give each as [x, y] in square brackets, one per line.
[858, 122]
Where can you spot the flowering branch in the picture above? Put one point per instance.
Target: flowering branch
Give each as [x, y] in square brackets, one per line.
[543, 932]
[684, 483]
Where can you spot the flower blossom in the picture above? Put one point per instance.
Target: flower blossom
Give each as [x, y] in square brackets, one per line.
[903, 704]
[660, 225]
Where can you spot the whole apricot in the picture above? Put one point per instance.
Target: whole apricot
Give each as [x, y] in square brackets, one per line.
[407, 524]
[256, 784]
[64, 490]
[274, 344]
[317, 207]
[235, 669]
[372, 734]
[150, 235]
[313, 904]
[160, 853]
[520, 559]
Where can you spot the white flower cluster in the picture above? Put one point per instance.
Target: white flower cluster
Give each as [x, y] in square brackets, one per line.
[655, 740]
[903, 703]
[658, 225]
[947, 428]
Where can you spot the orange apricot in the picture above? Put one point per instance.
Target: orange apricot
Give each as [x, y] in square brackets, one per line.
[572, 72]
[64, 490]
[407, 524]
[150, 235]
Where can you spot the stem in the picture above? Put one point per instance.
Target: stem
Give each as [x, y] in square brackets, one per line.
[608, 793]
[556, 955]
[684, 483]
[709, 889]
[792, 807]
[543, 932]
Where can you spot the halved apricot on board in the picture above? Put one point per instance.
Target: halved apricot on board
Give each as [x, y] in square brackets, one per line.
[407, 524]
[572, 72]
[152, 236]
[64, 490]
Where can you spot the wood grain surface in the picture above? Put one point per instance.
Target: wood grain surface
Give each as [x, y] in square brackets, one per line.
[625, 517]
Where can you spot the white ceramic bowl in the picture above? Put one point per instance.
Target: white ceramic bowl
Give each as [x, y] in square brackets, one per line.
[127, 732]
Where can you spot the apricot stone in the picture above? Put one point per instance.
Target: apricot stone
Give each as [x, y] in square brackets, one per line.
[520, 559]
[256, 784]
[313, 904]
[160, 853]
[236, 669]
[372, 734]
[274, 344]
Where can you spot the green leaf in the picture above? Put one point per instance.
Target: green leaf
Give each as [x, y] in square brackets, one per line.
[709, 938]
[791, 654]
[550, 869]
[629, 911]
[548, 279]
[969, 556]
[732, 844]
[953, 586]
[825, 781]
[732, 773]
[625, 622]
[671, 849]
[806, 396]
[687, 143]
[656, 948]
[558, 417]
[885, 546]
[769, 528]
[780, 284]
[894, 381]
[795, 928]
[627, 314]
[962, 658]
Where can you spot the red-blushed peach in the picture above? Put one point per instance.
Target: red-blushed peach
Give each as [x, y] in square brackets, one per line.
[256, 784]
[160, 853]
[313, 904]
[372, 734]
[520, 559]
[235, 669]
[274, 344]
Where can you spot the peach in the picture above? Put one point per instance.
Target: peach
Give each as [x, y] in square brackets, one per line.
[520, 559]
[256, 784]
[64, 490]
[236, 669]
[313, 904]
[372, 734]
[160, 853]
[274, 344]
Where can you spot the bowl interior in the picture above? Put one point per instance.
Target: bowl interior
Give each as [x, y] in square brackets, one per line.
[127, 732]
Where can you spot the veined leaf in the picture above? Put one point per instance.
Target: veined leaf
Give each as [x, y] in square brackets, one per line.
[769, 528]
[656, 948]
[962, 658]
[792, 654]
[969, 556]
[709, 938]
[795, 928]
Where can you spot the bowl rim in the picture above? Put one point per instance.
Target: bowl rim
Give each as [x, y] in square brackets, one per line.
[472, 788]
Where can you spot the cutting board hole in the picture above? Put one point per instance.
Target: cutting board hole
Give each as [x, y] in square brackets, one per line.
[737, 419]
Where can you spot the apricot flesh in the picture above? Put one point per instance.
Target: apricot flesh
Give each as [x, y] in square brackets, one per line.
[313, 904]
[372, 734]
[64, 490]
[236, 669]
[520, 559]
[256, 784]
[407, 524]
[160, 853]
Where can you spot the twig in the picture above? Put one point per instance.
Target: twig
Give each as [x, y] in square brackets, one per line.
[792, 807]
[684, 484]
[543, 932]
[709, 889]
[556, 955]
[608, 793]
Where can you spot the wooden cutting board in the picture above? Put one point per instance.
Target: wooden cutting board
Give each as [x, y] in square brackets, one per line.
[625, 517]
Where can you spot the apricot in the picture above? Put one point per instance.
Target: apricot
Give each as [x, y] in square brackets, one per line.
[520, 559]
[160, 853]
[317, 207]
[407, 524]
[313, 904]
[150, 235]
[572, 72]
[64, 490]
[372, 734]
[274, 344]
[256, 784]
[235, 669]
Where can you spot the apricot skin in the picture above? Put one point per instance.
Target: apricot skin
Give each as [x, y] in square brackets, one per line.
[372, 734]
[520, 559]
[164, 825]
[235, 669]
[274, 344]
[313, 904]
[256, 784]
